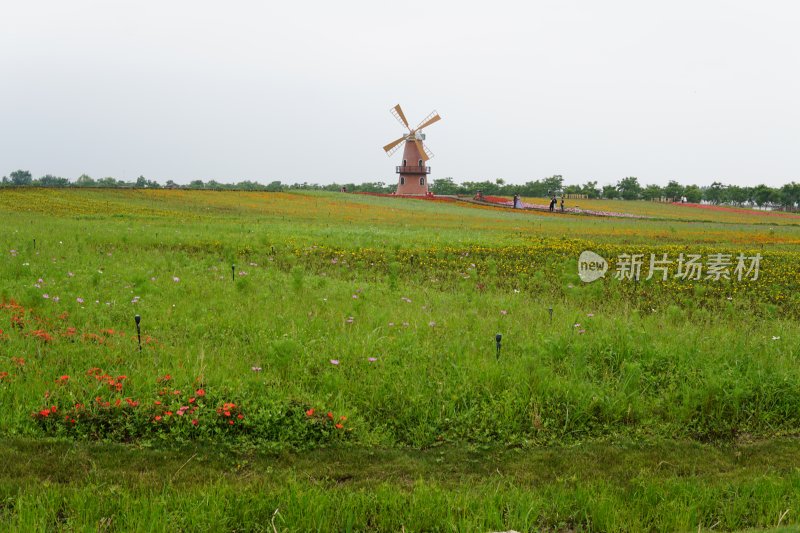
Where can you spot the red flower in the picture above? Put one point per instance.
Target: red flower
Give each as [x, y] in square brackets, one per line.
[240, 416]
[339, 426]
[195, 422]
[310, 412]
[200, 392]
[191, 400]
[158, 417]
[168, 413]
[230, 422]
[330, 415]
[342, 418]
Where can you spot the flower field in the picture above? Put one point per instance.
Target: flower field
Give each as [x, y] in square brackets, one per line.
[276, 329]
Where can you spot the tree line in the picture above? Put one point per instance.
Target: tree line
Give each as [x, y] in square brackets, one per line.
[628, 188]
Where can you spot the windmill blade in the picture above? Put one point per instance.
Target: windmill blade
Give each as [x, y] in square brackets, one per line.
[397, 111]
[427, 152]
[422, 153]
[427, 121]
[392, 146]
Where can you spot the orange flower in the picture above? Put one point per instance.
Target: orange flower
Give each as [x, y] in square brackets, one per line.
[310, 412]
[339, 426]
[330, 415]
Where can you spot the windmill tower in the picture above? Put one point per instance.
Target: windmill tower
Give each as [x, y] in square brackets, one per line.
[413, 172]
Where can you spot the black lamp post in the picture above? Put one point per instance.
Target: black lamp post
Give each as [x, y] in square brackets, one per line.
[138, 319]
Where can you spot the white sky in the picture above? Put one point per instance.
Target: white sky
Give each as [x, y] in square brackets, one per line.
[300, 91]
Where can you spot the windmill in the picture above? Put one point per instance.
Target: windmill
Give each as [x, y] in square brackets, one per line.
[413, 171]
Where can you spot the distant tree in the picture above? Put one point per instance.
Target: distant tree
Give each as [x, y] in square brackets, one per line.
[652, 192]
[444, 186]
[715, 194]
[275, 186]
[791, 195]
[553, 184]
[673, 190]
[572, 189]
[610, 192]
[141, 182]
[590, 189]
[629, 188]
[5, 182]
[171, 184]
[693, 194]
[48, 180]
[108, 181]
[196, 184]
[85, 181]
[21, 177]
[242, 185]
[762, 195]
[737, 195]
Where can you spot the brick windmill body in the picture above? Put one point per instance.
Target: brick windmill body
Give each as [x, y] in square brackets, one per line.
[413, 179]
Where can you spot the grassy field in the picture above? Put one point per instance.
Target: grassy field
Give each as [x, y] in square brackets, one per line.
[333, 357]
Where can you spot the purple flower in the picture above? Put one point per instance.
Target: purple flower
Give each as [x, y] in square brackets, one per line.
[56, 299]
[176, 279]
[334, 362]
[46, 296]
[355, 297]
[590, 315]
[255, 368]
[372, 359]
[79, 300]
[350, 320]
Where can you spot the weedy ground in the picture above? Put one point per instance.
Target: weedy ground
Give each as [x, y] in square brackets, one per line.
[333, 357]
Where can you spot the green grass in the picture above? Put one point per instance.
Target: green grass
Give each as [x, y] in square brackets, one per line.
[649, 406]
[669, 486]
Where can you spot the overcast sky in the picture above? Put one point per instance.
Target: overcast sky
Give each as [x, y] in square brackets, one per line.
[696, 91]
